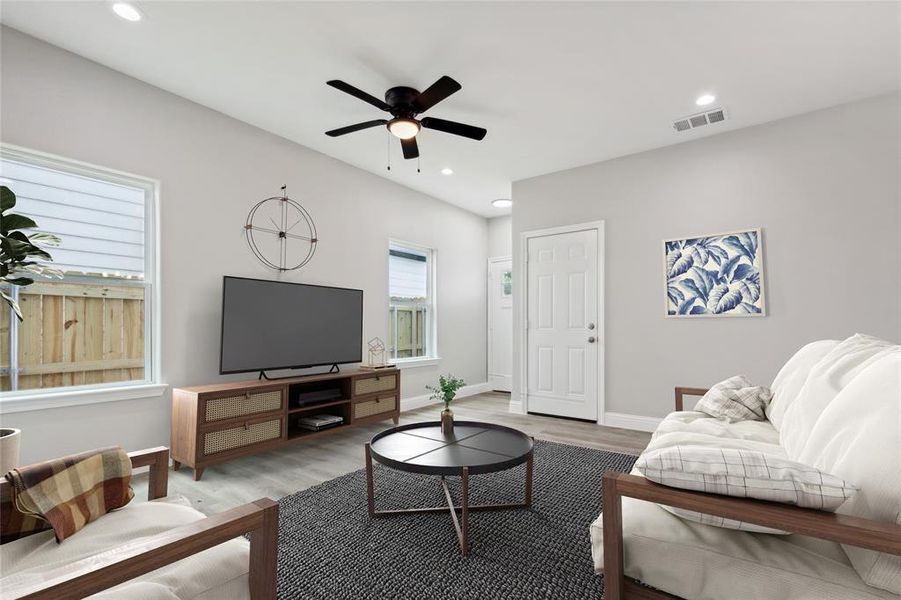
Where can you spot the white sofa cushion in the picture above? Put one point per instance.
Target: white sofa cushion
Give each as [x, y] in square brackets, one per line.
[37, 560]
[792, 376]
[859, 435]
[742, 474]
[735, 399]
[826, 379]
[709, 563]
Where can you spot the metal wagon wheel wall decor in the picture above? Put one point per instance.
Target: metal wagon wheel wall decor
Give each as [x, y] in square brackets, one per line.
[281, 233]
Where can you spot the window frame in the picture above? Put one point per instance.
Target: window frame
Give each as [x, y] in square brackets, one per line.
[150, 386]
[432, 357]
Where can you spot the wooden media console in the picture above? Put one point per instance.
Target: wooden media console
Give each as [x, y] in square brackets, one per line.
[215, 423]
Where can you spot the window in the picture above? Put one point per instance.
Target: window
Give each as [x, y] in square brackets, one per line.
[93, 327]
[411, 306]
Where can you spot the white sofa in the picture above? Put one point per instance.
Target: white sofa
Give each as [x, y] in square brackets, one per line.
[836, 406]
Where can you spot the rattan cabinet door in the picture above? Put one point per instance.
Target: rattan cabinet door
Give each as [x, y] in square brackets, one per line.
[373, 385]
[242, 405]
[223, 440]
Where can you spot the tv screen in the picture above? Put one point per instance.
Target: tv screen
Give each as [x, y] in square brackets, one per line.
[277, 325]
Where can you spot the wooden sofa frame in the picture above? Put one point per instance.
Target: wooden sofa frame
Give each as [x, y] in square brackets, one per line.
[258, 518]
[865, 533]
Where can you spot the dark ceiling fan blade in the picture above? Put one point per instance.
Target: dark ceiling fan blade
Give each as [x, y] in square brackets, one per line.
[436, 92]
[357, 93]
[357, 127]
[468, 131]
[410, 148]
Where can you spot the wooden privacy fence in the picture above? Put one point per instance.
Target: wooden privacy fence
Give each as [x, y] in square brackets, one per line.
[406, 330]
[73, 334]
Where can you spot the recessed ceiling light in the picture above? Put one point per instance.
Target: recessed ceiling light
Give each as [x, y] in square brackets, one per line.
[447, 171]
[705, 100]
[502, 203]
[127, 11]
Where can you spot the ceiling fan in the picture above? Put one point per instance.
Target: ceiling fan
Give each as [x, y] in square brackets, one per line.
[405, 104]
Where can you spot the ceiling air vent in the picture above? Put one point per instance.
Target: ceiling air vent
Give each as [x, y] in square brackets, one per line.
[699, 120]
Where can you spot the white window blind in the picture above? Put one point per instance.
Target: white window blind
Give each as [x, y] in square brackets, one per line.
[101, 224]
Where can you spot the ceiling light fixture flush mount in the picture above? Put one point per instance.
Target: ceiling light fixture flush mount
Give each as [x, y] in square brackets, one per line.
[705, 99]
[127, 11]
[447, 171]
[502, 203]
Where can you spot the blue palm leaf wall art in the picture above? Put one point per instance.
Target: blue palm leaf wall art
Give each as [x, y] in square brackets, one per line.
[715, 275]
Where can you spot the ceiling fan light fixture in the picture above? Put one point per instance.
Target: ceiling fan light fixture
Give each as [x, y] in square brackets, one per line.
[403, 128]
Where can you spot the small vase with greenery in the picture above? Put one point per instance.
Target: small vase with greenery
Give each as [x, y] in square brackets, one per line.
[445, 391]
[18, 250]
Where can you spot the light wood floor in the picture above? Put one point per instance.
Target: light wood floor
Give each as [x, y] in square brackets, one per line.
[296, 467]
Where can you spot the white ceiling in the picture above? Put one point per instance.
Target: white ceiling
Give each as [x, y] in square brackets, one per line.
[556, 84]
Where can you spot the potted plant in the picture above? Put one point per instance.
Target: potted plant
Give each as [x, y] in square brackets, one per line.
[17, 253]
[18, 250]
[445, 391]
[9, 449]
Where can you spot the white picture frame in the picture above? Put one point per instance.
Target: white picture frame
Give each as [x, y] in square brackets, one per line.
[714, 275]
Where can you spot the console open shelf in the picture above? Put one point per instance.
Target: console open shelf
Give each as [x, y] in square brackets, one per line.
[218, 422]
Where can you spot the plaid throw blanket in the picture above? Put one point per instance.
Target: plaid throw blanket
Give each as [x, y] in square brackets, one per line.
[67, 493]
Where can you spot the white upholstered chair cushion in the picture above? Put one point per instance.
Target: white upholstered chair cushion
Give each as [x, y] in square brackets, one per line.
[215, 574]
[859, 435]
[792, 376]
[826, 379]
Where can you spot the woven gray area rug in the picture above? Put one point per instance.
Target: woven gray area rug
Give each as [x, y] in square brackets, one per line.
[329, 547]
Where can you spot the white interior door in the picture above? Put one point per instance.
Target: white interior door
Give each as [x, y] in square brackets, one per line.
[500, 324]
[562, 327]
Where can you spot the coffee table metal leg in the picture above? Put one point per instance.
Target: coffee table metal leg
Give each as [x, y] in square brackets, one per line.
[529, 466]
[370, 497]
[464, 542]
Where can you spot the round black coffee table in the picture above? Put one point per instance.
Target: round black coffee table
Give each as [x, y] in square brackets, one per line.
[472, 449]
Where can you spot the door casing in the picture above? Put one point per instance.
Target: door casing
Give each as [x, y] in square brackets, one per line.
[522, 294]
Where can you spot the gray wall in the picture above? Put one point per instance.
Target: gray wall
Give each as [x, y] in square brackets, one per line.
[823, 186]
[213, 169]
[500, 236]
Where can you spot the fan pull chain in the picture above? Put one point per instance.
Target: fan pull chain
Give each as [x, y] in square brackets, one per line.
[388, 149]
[418, 164]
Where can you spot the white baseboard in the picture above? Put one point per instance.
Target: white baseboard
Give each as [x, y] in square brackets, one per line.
[426, 400]
[516, 407]
[626, 421]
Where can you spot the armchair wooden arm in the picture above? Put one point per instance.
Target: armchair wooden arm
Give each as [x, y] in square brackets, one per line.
[865, 533]
[687, 391]
[155, 458]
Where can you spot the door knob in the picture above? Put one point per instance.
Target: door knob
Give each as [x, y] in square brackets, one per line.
[590, 326]
[591, 340]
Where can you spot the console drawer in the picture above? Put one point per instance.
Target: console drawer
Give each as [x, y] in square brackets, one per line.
[375, 407]
[372, 385]
[238, 437]
[241, 405]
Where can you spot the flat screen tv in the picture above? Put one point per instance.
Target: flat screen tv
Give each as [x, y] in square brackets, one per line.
[270, 325]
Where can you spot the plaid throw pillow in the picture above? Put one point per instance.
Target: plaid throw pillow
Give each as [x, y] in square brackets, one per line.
[735, 399]
[68, 493]
[743, 474]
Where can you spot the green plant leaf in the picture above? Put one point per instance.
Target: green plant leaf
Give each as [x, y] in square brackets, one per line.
[14, 221]
[13, 304]
[20, 281]
[46, 239]
[7, 199]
